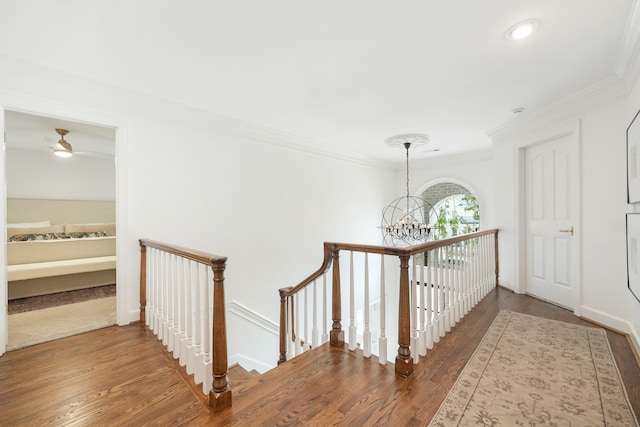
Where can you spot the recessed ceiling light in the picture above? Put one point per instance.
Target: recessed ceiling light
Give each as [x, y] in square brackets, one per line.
[521, 29]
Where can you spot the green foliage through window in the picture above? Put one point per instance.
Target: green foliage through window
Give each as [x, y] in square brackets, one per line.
[455, 215]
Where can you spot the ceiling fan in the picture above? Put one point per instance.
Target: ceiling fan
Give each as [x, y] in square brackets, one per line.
[63, 148]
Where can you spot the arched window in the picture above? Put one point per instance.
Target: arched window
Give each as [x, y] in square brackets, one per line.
[455, 210]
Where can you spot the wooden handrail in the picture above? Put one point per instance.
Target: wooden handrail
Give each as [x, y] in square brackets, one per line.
[220, 394]
[329, 247]
[404, 362]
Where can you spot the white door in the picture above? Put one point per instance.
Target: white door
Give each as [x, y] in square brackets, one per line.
[551, 195]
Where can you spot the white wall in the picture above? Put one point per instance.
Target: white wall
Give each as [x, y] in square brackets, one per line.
[41, 175]
[604, 195]
[196, 179]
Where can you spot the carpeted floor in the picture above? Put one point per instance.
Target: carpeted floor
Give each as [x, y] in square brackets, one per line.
[22, 305]
[530, 371]
[35, 320]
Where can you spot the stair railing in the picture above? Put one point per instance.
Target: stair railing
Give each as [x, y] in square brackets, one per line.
[182, 302]
[438, 283]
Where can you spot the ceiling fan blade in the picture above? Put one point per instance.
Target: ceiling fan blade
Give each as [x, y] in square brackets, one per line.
[94, 154]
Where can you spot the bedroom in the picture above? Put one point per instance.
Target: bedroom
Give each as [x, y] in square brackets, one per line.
[60, 226]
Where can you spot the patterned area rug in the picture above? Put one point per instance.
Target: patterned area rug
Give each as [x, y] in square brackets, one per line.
[530, 371]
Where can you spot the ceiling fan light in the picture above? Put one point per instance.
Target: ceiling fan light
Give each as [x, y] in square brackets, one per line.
[62, 153]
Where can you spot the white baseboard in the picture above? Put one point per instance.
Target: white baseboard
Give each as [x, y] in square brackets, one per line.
[249, 363]
[133, 316]
[605, 319]
[613, 322]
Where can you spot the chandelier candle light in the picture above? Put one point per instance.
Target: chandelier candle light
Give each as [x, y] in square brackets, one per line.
[404, 220]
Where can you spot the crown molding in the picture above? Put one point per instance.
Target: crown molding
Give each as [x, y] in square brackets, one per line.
[573, 106]
[450, 160]
[306, 145]
[25, 84]
[627, 66]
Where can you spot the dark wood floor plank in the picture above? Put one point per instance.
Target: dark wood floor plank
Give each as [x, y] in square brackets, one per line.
[122, 376]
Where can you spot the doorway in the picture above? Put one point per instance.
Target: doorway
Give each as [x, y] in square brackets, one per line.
[60, 227]
[550, 215]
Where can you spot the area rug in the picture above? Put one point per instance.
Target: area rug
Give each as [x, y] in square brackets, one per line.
[531, 371]
[20, 305]
[38, 326]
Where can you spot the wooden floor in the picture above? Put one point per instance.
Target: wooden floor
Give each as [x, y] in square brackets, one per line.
[121, 376]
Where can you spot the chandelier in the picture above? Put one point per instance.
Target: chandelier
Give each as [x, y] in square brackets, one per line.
[405, 220]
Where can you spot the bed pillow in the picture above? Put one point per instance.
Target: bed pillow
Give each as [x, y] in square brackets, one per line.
[21, 234]
[46, 223]
[83, 234]
[103, 230]
[52, 229]
[36, 236]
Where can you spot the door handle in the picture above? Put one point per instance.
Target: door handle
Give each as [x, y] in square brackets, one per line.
[570, 230]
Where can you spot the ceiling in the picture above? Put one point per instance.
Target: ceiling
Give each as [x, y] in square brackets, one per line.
[37, 133]
[343, 74]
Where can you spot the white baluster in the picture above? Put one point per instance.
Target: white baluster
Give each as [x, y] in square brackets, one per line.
[458, 284]
[186, 338]
[455, 283]
[414, 327]
[151, 296]
[476, 279]
[207, 339]
[467, 276]
[172, 303]
[163, 332]
[296, 324]
[382, 342]
[494, 282]
[179, 332]
[447, 289]
[352, 306]
[429, 303]
[305, 333]
[194, 342]
[422, 338]
[158, 293]
[290, 333]
[314, 331]
[197, 334]
[366, 335]
[441, 285]
[325, 308]
[149, 272]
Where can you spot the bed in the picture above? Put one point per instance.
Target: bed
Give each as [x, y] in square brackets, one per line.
[44, 258]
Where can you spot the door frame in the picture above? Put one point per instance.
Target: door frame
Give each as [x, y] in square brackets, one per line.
[569, 129]
[29, 105]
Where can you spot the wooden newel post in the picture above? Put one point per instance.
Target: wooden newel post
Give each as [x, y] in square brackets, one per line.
[143, 284]
[220, 394]
[336, 336]
[404, 362]
[283, 326]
